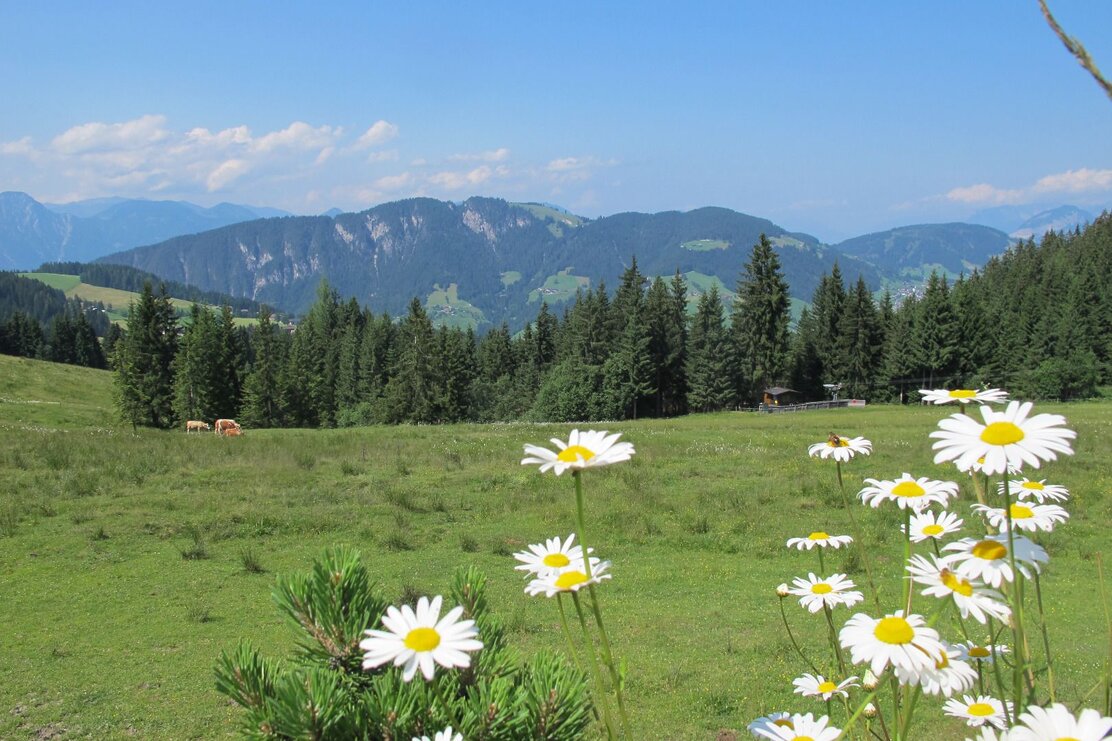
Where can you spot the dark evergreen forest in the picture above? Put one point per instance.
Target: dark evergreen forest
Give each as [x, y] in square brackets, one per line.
[37, 321]
[1036, 321]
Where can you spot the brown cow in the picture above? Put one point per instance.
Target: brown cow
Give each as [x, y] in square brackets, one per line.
[194, 425]
[223, 425]
[233, 432]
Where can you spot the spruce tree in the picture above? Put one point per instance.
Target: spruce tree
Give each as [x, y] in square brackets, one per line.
[860, 342]
[262, 404]
[761, 316]
[144, 357]
[708, 374]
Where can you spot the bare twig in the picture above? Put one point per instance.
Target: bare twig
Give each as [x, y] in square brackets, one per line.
[1076, 49]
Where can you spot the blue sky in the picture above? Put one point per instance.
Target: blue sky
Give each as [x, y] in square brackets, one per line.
[831, 118]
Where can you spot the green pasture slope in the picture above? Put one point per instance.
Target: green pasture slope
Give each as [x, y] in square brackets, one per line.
[116, 299]
[122, 569]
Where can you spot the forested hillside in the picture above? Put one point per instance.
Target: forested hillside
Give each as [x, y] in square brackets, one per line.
[1036, 321]
[37, 321]
[503, 258]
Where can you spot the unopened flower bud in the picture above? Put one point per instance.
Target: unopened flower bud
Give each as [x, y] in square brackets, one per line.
[782, 591]
[870, 681]
[869, 711]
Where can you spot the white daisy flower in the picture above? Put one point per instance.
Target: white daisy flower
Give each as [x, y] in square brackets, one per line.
[971, 651]
[772, 719]
[445, 735]
[571, 579]
[987, 559]
[949, 674]
[907, 491]
[421, 639]
[820, 539]
[926, 525]
[1029, 517]
[902, 641]
[964, 396]
[1005, 439]
[814, 685]
[971, 598]
[1057, 722]
[1040, 490]
[842, 448]
[977, 711]
[988, 733]
[829, 592]
[803, 727]
[582, 450]
[552, 555]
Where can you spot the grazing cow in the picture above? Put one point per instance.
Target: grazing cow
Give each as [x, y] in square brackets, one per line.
[233, 432]
[194, 425]
[223, 425]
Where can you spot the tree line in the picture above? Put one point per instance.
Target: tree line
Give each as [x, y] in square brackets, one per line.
[1035, 320]
[37, 321]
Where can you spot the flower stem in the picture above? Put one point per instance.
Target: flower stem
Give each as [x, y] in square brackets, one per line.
[1021, 657]
[857, 533]
[834, 642]
[608, 658]
[579, 521]
[908, 591]
[822, 562]
[600, 688]
[1046, 640]
[795, 644]
[567, 631]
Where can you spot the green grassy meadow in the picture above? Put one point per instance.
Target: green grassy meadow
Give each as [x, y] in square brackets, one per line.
[115, 299]
[122, 553]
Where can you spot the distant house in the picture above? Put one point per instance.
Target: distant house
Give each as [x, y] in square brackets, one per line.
[777, 395]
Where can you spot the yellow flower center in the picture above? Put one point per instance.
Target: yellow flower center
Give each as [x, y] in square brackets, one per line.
[821, 588]
[956, 583]
[818, 535]
[979, 652]
[573, 453]
[932, 529]
[1033, 485]
[989, 550]
[943, 661]
[569, 579]
[981, 709]
[962, 394]
[894, 630]
[1066, 738]
[783, 723]
[827, 687]
[1021, 512]
[908, 489]
[804, 738]
[422, 639]
[556, 560]
[1002, 433]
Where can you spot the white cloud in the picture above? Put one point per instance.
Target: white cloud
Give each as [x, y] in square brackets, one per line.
[395, 182]
[491, 155]
[18, 147]
[298, 135]
[1084, 180]
[379, 133]
[454, 180]
[95, 136]
[225, 173]
[385, 155]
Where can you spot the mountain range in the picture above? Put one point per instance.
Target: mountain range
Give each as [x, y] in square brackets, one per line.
[480, 261]
[32, 233]
[487, 260]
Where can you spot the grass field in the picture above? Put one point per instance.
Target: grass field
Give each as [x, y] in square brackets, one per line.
[705, 245]
[559, 288]
[115, 299]
[447, 309]
[122, 553]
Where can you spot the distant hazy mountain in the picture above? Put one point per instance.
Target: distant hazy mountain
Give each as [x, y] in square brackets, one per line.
[332, 212]
[1058, 219]
[32, 233]
[912, 252]
[483, 260]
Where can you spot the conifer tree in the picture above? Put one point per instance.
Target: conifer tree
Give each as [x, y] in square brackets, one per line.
[935, 334]
[860, 342]
[708, 374]
[762, 313]
[262, 403]
[412, 390]
[144, 357]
